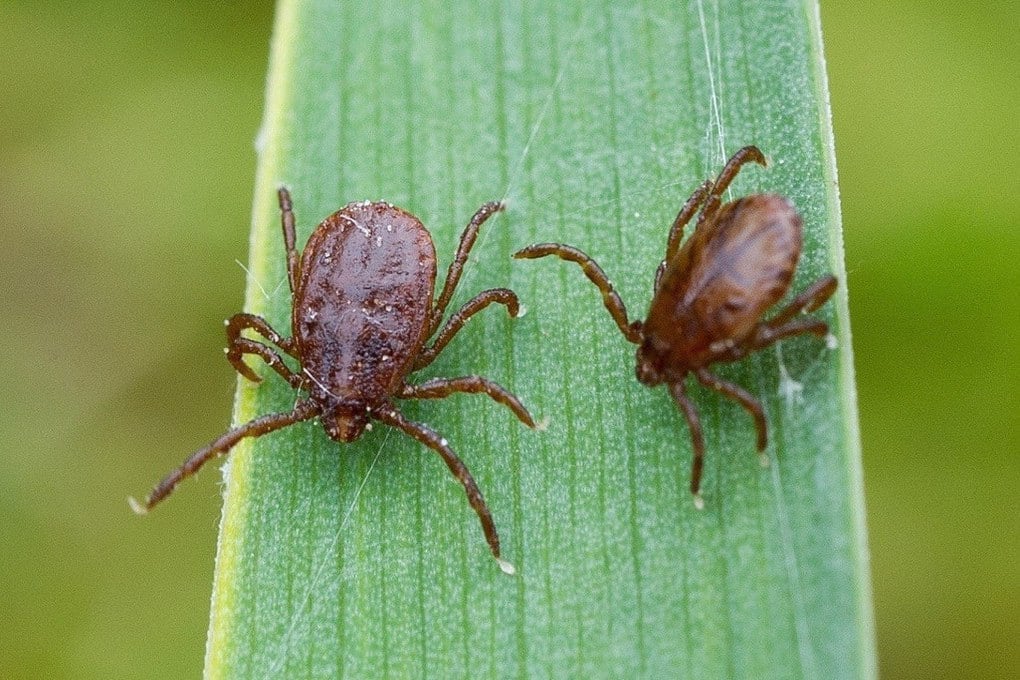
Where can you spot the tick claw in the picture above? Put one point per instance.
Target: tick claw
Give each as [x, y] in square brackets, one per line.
[506, 567]
[138, 508]
[699, 502]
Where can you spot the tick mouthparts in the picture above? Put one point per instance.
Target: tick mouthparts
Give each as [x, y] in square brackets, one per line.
[138, 508]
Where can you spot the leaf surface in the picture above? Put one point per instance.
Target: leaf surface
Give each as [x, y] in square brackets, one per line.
[594, 121]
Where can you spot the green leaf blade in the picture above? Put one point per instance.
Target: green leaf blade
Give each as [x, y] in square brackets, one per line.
[594, 122]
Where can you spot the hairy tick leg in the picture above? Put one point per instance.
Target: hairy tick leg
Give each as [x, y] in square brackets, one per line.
[238, 345]
[467, 242]
[241, 322]
[768, 335]
[427, 436]
[747, 154]
[741, 396]
[810, 299]
[610, 298]
[689, 209]
[437, 388]
[503, 296]
[679, 394]
[743, 156]
[289, 238]
[255, 428]
[242, 346]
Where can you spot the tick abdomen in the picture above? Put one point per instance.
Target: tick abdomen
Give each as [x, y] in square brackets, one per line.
[726, 275]
[360, 305]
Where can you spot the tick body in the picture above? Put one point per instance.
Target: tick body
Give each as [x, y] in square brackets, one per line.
[711, 293]
[361, 321]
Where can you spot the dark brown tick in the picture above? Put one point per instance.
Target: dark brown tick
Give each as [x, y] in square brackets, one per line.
[362, 315]
[710, 295]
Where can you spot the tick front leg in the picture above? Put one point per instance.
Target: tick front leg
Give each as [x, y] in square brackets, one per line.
[237, 346]
[679, 394]
[676, 232]
[242, 346]
[472, 384]
[427, 436]
[503, 296]
[610, 298]
[741, 396]
[467, 242]
[767, 334]
[289, 237]
[810, 299]
[743, 156]
[240, 322]
[304, 410]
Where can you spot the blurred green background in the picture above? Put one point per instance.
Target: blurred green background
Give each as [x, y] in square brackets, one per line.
[126, 172]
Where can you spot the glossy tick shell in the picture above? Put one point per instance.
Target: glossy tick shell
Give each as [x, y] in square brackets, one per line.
[362, 315]
[361, 308]
[710, 295]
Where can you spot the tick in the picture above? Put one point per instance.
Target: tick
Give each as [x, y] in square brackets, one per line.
[711, 293]
[362, 316]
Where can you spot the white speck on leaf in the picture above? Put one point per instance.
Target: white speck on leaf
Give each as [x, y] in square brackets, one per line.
[789, 389]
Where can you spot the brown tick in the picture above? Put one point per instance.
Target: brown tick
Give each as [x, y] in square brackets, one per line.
[362, 314]
[710, 295]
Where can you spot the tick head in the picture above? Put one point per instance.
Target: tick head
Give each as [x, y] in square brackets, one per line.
[345, 422]
[651, 361]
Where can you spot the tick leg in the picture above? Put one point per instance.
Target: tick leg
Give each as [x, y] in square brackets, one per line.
[255, 428]
[289, 238]
[676, 232]
[679, 393]
[767, 334]
[741, 396]
[472, 384]
[240, 322]
[242, 346]
[467, 241]
[726, 175]
[503, 296]
[810, 299]
[237, 346]
[610, 298]
[427, 436]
